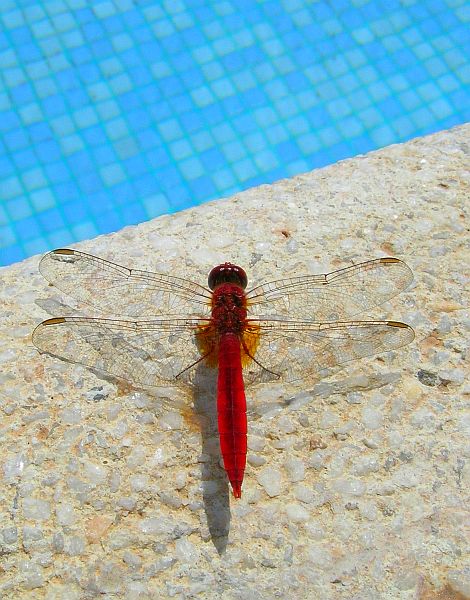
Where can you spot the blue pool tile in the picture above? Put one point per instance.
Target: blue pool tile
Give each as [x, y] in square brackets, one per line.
[223, 178]
[203, 187]
[133, 213]
[212, 159]
[7, 236]
[18, 208]
[108, 221]
[36, 246]
[28, 227]
[74, 213]
[60, 238]
[22, 94]
[201, 141]
[157, 159]
[11, 254]
[116, 106]
[146, 185]
[111, 175]
[84, 230]
[9, 121]
[16, 140]
[24, 159]
[5, 166]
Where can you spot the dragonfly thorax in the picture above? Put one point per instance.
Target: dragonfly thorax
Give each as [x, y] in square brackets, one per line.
[229, 308]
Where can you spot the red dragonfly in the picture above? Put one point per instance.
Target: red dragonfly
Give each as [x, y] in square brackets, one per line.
[285, 330]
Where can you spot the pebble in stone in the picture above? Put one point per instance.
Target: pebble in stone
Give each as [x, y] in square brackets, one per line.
[114, 481]
[137, 457]
[120, 430]
[297, 513]
[95, 473]
[132, 559]
[328, 419]
[171, 421]
[407, 580]
[318, 459]
[32, 533]
[371, 418]
[303, 493]
[14, 466]
[352, 487]
[180, 480]
[423, 417]
[406, 476]
[170, 499]
[295, 469]
[271, 480]
[145, 418]
[445, 325]
[156, 525]
[36, 509]
[354, 398]
[97, 394]
[368, 510]
[256, 443]
[127, 502]
[256, 460]
[456, 376]
[286, 425]
[319, 556]
[364, 465]
[139, 482]
[186, 551]
[32, 574]
[65, 514]
[112, 411]
[10, 535]
[140, 399]
[436, 251]
[71, 415]
[75, 545]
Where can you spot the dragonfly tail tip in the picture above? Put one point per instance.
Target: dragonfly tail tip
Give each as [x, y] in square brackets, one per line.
[237, 489]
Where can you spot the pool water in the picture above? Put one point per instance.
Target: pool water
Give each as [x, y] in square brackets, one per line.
[117, 111]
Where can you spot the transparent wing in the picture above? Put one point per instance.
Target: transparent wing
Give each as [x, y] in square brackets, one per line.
[117, 290]
[148, 353]
[333, 296]
[294, 350]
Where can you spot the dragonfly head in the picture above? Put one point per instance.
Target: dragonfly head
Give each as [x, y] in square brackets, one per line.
[227, 273]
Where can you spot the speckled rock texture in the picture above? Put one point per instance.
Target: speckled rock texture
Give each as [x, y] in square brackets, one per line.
[356, 489]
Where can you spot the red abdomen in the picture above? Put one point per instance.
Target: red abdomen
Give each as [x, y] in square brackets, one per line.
[231, 408]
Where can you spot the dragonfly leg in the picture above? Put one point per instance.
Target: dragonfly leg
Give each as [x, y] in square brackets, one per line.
[196, 362]
[247, 352]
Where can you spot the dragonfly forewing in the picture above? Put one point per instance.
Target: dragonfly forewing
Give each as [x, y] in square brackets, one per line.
[117, 290]
[334, 296]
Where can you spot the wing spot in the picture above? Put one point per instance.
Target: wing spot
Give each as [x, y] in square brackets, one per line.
[63, 251]
[389, 260]
[54, 321]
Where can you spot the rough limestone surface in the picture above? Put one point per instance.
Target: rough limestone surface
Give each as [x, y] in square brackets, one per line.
[356, 487]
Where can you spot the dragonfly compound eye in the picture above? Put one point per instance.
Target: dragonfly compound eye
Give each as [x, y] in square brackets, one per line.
[227, 273]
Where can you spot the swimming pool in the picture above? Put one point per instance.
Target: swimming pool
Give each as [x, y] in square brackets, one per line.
[115, 112]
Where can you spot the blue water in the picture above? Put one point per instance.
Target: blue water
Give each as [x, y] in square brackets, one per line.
[113, 112]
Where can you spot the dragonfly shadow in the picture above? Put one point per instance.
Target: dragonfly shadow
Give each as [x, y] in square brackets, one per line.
[215, 487]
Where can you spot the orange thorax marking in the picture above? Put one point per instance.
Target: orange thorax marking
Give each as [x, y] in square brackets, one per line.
[229, 311]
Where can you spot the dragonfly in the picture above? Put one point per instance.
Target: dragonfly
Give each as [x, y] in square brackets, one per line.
[160, 330]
